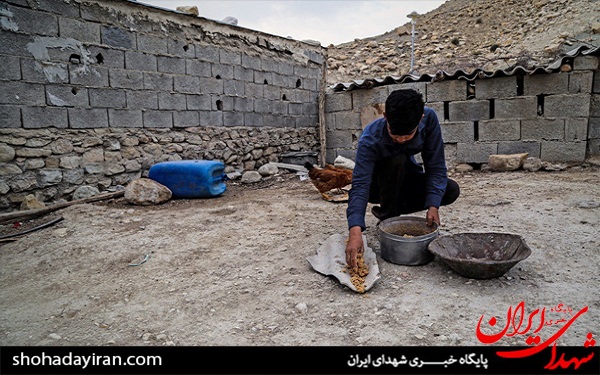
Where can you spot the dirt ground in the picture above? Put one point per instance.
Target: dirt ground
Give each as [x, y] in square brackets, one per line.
[232, 270]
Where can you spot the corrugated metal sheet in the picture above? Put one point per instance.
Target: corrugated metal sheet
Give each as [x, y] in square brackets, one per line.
[460, 74]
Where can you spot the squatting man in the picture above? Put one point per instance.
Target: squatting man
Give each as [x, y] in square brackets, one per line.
[387, 174]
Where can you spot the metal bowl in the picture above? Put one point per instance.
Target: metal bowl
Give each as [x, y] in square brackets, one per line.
[480, 255]
[404, 240]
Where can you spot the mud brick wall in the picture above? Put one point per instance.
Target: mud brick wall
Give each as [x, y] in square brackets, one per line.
[93, 92]
[555, 116]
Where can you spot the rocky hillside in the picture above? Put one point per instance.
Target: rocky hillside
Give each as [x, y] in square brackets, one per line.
[470, 34]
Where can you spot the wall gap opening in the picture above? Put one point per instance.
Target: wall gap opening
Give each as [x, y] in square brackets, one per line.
[100, 58]
[446, 110]
[219, 105]
[520, 83]
[540, 105]
[492, 108]
[298, 83]
[476, 131]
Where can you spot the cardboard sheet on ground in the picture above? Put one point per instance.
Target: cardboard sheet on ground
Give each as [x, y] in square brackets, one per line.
[330, 260]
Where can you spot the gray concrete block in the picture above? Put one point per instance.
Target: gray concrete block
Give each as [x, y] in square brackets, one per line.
[596, 86]
[35, 71]
[85, 32]
[595, 106]
[493, 88]
[181, 48]
[253, 119]
[199, 102]
[67, 96]
[230, 57]
[184, 119]
[87, 118]
[264, 78]
[576, 129]
[125, 118]
[198, 68]
[99, 13]
[44, 117]
[518, 147]
[309, 84]
[457, 132]
[243, 104]
[438, 108]
[310, 109]
[247, 75]
[91, 76]
[516, 108]
[295, 109]
[307, 122]
[10, 116]
[233, 119]
[305, 97]
[567, 105]
[339, 139]
[280, 107]
[593, 148]
[594, 128]
[127, 79]
[475, 152]
[345, 121]
[117, 37]
[142, 99]
[222, 103]
[364, 98]
[271, 65]
[499, 130]
[586, 63]
[563, 151]
[187, 84]
[14, 44]
[263, 106]
[469, 110]
[17, 92]
[417, 86]
[158, 81]
[10, 69]
[152, 44]
[581, 82]
[446, 91]
[166, 64]
[67, 9]
[158, 119]
[107, 98]
[337, 102]
[288, 122]
[211, 85]
[211, 118]
[546, 84]
[254, 90]
[222, 71]
[234, 88]
[140, 61]
[315, 73]
[108, 57]
[208, 53]
[283, 68]
[251, 61]
[288, 94]
[29, 21]
[542, 128]
[170, 101]
[271, 121]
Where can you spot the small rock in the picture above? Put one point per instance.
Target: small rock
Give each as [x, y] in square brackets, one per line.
[250, 177]
[83, 192]
[54, 336]
[532, 164]
[302, 307]
[419, 336]
[553, 167]
[588, 204]
[268, 169]
[463, 168]
[161, 337]
[504, 163]
[145, 191]
[31, 203]
[193, 10]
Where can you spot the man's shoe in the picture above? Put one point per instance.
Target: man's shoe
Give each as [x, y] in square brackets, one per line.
[376, 211]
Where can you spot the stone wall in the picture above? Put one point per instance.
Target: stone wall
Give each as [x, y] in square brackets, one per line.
[92, 92]
[555, 116]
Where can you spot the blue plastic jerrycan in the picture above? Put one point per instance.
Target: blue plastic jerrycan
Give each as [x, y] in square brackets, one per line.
[191, 178]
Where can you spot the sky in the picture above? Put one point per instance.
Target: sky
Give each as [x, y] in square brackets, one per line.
[326, 21]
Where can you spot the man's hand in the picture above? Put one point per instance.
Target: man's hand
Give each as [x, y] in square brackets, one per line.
[354, 246]
[433, 216]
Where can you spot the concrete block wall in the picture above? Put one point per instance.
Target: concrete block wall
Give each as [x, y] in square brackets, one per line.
[554, 116]
[114, 65]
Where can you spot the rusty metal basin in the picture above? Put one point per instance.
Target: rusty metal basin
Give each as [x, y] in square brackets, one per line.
[480, 255]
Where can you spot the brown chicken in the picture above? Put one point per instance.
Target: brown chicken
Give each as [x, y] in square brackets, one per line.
[328, 178]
